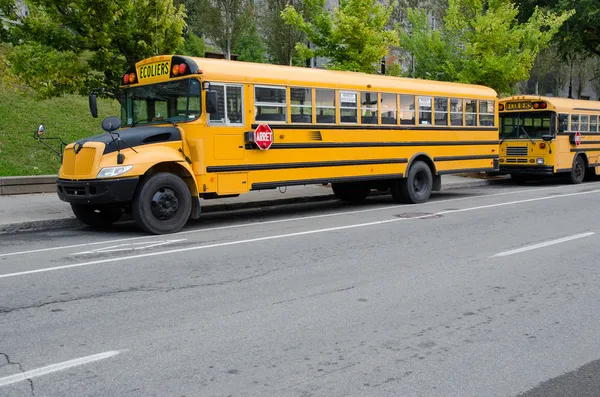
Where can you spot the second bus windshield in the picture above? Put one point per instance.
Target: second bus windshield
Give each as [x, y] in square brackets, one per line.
[526, 125]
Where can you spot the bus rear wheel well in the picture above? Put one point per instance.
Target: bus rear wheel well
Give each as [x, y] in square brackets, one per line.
[437, 180]
[176, 169]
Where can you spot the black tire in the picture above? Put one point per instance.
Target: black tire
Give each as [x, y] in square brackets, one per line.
[519, 179]
[577, 173]
[417, 187]
[353, 192]
[102, 216]
[162, 204]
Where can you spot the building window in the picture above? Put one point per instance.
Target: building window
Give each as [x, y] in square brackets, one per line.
[593, 123]
[368, 108]
[425, 110]
[301, 105]
[456, 112]
[270, 104]
[325, 102]
[470, 112]
[486, 113]
[441, 111]
[348, 107]
[389, 109]
[407, 109]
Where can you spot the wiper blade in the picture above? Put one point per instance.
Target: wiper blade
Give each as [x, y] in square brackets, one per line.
[531, 140]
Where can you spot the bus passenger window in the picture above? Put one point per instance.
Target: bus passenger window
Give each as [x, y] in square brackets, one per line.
[234, 105]
[407, 109]
[574, 122]
[193, 105]
[456, 112]
[425, 110]
[563, 122]
[486, 113]
[218, 117]
[584, 123]
[348, 107]
[368, 108]
[441, 111]
[389, 109]
[593, 123]
[301, 105]
[270, 104]
[470, 112]
[325, 101]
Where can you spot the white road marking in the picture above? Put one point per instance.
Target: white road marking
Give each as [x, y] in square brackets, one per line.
[544, 244]
[129, 247]
[300, 218]
[280, 236]
[56, 367]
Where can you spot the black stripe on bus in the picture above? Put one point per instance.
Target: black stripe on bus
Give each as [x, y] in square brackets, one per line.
[371, 127]
[477, 157]
[318, 164]
[299, 182]
[592, 149]
[466, 170]
[321, 145]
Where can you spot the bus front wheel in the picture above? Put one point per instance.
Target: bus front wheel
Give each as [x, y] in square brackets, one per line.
[578, 171]
[97, 215]
[162, 204]
[416, 187]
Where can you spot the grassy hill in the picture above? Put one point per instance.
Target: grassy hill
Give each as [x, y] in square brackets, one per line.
[67, 117]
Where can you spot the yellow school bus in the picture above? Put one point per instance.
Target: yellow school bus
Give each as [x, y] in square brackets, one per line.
[548, 136]
[196, 128]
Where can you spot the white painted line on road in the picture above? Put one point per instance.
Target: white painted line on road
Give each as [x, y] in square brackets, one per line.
[544, 244]
[280, 236]
[296, 219]
[8, 380]
[129, 247]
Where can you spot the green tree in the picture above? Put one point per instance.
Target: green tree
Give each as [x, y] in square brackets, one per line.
[193, 46]
[224, 22]
[251, 47]
[108, 36]
[482, 42]
[354, 38]
[281, 38]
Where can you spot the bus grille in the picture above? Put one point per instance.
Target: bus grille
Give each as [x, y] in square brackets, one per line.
[516, 160]
[79, 164]
[516, 151]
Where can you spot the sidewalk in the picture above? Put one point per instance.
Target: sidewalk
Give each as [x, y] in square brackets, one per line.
[29, 212]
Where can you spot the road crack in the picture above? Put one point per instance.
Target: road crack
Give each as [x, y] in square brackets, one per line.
[20, 369]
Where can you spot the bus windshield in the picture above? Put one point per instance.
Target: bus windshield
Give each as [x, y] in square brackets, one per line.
[526, 125]
[174, 101]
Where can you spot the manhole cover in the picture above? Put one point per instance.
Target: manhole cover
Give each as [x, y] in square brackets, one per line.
[418, 215]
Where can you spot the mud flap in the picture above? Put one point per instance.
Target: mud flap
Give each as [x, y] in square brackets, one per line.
[437, 183]
[195, 213]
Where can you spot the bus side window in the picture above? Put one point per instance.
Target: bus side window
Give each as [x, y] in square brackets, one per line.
[348, 106]
[486, 113]
[218, 117]
[325, 101]
[407, 109]
[389, 109]
[441, 111]
[270, 103]
[594, 123]
[301, 105]
[584, 123]
[425, 110]
[368, 108]
[471, 112]
[574, 122]
[563, 122]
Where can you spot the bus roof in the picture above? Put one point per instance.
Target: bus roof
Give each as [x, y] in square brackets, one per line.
[245, 72]
[564, 105]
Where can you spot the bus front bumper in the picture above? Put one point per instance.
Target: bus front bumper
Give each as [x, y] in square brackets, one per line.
[527, 170]
[97, 191]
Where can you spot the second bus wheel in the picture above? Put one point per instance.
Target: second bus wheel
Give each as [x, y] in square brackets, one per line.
[162, 204]
[577, 173]
[416, 187]
[350, 191]
[101, 215]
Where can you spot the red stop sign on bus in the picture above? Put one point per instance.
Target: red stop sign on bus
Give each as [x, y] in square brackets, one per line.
[577, 138]
[263, 137]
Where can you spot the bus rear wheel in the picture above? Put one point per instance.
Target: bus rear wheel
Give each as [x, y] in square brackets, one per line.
[350, 191]
[578, 171]
[416, 187]
[103, 215]
[162, 204]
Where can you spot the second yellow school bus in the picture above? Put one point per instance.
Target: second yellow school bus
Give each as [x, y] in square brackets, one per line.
[549, 136]
[193, 128]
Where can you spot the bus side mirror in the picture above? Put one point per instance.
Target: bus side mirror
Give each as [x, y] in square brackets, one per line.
[211, 101]
[547, 137]
[93, 105]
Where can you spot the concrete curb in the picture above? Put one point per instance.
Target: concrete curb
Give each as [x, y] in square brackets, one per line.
[71, 222]
[12, 185]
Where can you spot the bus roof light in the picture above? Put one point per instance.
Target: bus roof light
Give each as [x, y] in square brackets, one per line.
[176, 70]
[132, 78]
[126, 79]
[182, 68]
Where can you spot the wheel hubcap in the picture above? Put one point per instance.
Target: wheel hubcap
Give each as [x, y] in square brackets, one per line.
[419, 183]
[578, 170]
[164, 204]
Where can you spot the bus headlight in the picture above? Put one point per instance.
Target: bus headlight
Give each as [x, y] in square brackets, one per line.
[540, 161]
[109, 172]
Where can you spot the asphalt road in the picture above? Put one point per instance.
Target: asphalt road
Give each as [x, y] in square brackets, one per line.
[479, 292]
